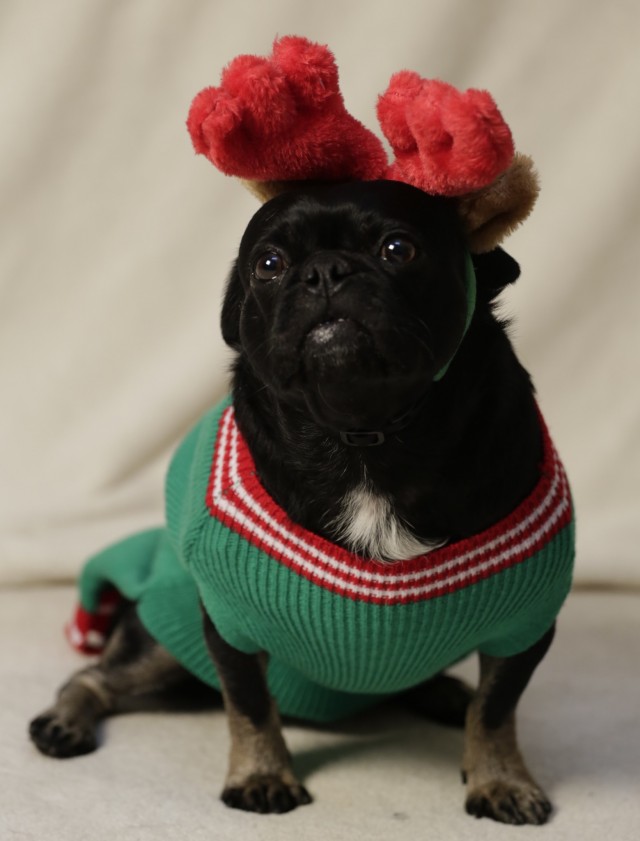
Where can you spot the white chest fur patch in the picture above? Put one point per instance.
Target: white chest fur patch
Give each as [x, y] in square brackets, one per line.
[369, 526]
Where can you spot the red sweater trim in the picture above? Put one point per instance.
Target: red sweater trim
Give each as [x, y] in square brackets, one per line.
[88, 632]
[236, 497]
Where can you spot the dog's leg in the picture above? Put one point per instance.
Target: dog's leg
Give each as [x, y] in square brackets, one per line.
[260, 777]
[499, 784]
[132, 665]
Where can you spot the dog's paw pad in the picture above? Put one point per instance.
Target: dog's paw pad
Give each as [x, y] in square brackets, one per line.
[512, 803]
[54, 736]
[266, 794]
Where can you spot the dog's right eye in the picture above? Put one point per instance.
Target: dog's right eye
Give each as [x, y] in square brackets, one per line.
[269, 266]
[398, 250]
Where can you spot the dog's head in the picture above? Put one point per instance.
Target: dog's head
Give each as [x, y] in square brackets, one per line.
[349, 300]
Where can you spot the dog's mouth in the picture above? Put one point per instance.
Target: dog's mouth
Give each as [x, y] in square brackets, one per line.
[337, 348]
[332, 332]
[347, 380]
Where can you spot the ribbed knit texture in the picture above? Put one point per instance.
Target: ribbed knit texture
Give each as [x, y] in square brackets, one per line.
[341, 631]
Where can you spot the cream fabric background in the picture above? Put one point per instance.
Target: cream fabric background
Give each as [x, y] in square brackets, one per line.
[115, 240]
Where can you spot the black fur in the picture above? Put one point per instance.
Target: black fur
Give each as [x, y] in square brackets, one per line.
[511, 680]
[473, 451]
[241, 674]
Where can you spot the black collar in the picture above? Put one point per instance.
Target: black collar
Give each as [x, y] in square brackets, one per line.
[372, 438]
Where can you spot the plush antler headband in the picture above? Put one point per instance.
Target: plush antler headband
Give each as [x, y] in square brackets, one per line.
[280, 120]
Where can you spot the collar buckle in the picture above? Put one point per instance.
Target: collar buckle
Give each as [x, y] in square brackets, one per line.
[362, 439]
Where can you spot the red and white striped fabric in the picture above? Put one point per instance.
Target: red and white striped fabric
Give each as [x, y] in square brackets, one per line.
[88, 632]
[236, 497]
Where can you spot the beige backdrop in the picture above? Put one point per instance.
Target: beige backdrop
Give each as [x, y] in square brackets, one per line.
[115, 240]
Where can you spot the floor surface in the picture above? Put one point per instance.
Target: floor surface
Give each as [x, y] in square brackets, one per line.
[384, 776]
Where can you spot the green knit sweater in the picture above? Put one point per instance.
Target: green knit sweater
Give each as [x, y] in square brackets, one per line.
[342, 632]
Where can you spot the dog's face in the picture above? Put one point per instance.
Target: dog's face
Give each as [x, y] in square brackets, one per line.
[348, 299]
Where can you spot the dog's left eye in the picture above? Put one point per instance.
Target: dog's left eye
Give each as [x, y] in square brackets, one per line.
[269, 265]
[398, 250]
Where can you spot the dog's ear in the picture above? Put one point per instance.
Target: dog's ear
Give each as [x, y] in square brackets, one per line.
[490, 214]
[494, 270]
[231, 309]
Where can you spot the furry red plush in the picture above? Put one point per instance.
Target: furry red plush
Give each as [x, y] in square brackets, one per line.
[283, 119]
[446, 142]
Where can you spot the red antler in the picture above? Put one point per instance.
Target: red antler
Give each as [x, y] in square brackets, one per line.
[283, 118]
[446, 142]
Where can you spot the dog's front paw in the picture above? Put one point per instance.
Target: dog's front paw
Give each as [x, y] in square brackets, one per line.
[266, 793]
[509, 802]
[53, 735]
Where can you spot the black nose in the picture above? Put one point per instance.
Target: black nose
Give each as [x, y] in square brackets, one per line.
[324, 273]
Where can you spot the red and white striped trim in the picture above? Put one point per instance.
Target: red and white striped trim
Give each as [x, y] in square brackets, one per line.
[236, 497]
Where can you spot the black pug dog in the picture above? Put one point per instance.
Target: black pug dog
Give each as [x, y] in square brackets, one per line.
[386, 415]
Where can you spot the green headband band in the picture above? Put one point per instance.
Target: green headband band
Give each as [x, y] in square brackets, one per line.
[470, 288]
